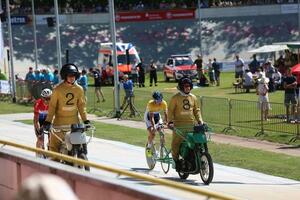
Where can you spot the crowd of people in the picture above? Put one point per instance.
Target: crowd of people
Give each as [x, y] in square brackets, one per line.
[96, 6]
[268, 77]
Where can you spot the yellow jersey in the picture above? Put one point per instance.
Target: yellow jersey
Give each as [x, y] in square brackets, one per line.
[156, 108]
[65, 103]
[184, 110]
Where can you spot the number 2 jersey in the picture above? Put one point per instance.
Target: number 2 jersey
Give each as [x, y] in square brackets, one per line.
[66, 101]
[40, 111]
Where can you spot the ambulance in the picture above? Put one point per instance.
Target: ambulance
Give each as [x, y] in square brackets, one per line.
[127, 56]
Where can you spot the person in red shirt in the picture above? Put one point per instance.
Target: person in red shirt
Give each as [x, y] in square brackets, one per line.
[40, 114]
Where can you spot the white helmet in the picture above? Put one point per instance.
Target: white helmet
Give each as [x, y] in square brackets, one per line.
[46, 93]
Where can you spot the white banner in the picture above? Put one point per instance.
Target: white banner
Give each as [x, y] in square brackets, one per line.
[4, 87]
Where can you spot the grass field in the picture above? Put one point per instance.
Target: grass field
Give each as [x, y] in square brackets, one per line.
[257, 160]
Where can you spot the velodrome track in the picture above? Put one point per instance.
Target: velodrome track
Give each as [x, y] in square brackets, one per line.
[236, 182]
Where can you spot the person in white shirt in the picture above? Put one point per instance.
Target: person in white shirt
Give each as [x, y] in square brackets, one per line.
[248, 80]
[239, 67]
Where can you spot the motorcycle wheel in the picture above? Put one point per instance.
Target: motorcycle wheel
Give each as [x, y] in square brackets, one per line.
[206, 168]
[80, 155]
[164, 159]
[84, 157]
[183, 175]
[151, 160]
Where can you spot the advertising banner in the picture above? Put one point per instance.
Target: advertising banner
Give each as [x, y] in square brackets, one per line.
[155, 15]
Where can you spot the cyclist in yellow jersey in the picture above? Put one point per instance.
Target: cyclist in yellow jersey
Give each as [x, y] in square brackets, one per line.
[66, 101]
[184, 113]
[152, 117]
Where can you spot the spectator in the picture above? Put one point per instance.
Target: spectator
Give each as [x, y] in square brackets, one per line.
[45, 187]
[134, 73]
[254, 65]
[239, 67]
[55, 77]
[48, 76]
[30, 79]
[153, 73]
[290, 98]
[248, 80]
[263, 97]
[128, 98]
[211, 73]
[141, 70]
[269, 70]
[97, 83]
[217, 68]
[277, 79]
[198, 62]
[83, 82]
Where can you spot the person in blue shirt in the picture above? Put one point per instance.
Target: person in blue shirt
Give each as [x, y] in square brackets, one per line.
[83, 82]
[38, 76]
[29, 79]
[128, 88]
[48, 76]
[55, 77]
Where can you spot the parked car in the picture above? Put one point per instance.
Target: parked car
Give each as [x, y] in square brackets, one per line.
[178, 66]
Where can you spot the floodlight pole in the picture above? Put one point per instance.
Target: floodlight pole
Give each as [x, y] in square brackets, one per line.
[12, 76]
[115, 61]
[34, 35]
[200, 28]
[58, 48]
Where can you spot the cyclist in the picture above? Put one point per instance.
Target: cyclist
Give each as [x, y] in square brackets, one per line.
[40, 114]
[183, 113]
[66, 101]
[152, 117]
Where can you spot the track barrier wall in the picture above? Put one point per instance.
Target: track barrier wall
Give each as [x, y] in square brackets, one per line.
[18, 166]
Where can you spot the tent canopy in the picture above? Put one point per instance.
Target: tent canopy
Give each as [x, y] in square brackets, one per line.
[292, 45]
[270, 48]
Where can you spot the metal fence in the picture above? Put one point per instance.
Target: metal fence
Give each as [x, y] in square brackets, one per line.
[248, 114]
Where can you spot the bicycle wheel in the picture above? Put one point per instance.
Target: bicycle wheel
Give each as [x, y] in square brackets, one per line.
[150, 158]
[164, 159]
[206, 168]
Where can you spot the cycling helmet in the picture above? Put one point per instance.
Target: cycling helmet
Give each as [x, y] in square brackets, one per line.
[69, 69]
[157, 96]
[183, 81]
[46, 93]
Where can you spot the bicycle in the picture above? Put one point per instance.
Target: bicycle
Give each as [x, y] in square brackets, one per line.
[45, 143]
[75, 142]
[164, 158]
[193, 154]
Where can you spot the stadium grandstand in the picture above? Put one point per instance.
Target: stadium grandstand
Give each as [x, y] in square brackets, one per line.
[98, 6]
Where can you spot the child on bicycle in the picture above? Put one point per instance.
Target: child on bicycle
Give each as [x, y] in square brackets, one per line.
[152, 117]
[184, 113]
[40, 114]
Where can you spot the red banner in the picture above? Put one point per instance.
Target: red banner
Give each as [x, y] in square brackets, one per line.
[155, 15]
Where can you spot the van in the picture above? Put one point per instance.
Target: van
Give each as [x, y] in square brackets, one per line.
[127, 55]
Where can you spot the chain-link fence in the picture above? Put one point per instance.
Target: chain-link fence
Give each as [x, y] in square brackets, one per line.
[250, 114]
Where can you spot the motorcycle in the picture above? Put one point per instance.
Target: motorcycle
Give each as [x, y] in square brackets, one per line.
[75, 143]
[194, 157]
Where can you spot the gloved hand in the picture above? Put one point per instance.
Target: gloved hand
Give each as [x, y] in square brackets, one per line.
[46, 126]
[87, 124]
[171, 125]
